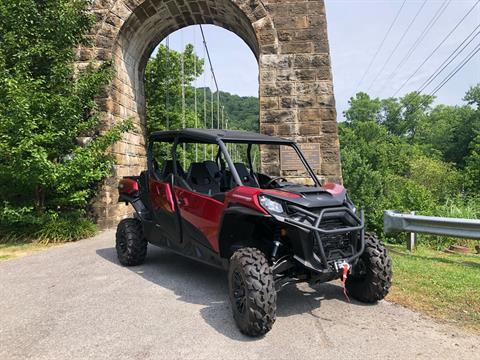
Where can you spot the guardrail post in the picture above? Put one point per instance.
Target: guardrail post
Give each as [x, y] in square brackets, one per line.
[411, 238]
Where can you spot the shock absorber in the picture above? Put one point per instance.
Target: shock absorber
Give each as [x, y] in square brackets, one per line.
[276, 241]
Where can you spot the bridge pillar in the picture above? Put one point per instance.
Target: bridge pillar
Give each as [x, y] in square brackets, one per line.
[289, 40]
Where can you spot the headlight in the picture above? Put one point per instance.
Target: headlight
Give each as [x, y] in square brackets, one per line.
[270, 204]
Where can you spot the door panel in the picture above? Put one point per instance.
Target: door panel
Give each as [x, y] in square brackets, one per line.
[201, 216]
[165, 216]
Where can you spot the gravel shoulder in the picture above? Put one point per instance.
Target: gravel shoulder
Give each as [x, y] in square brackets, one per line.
[75, 301]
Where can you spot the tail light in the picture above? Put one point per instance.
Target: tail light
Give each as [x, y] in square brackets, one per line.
[128, 186]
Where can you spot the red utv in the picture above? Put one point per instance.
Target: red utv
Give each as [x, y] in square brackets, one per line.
[204, 196]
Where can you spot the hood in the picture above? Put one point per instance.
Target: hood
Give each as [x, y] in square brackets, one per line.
[329, 194]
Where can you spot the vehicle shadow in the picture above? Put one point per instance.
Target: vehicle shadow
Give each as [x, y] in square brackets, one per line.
[200, 284]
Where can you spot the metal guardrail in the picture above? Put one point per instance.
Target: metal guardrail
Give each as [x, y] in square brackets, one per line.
[397, 222]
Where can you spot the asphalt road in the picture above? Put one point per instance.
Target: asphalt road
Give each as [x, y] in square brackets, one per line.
[76, 302]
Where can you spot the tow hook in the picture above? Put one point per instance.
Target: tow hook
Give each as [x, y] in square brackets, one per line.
[340, 265]
[344, 267]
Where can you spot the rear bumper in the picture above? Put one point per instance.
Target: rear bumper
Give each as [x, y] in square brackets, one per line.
[314, 243]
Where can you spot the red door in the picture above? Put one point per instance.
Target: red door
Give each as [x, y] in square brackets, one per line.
[200, 217]
[167, 224]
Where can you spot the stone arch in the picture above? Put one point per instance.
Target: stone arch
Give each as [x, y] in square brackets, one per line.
[289, 40]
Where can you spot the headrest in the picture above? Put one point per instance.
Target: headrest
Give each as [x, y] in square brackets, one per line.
[212, 168]
[168, 168]
[199, 174]
[242, 171]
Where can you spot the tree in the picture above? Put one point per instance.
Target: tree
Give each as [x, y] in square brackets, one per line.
[404, 154]
[472, 167]
[363, 108]
[163, 88]
[45, 108]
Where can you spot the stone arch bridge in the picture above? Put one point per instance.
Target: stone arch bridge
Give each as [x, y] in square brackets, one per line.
[288, 38]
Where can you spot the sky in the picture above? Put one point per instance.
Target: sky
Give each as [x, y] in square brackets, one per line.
[356, 28]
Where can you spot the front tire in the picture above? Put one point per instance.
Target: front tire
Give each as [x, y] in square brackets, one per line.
[372, 275]
[131, 245]
[252, 292]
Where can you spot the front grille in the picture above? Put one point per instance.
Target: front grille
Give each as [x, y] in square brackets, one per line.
[336, 246]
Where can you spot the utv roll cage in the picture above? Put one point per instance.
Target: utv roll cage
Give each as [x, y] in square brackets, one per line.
[220, 138]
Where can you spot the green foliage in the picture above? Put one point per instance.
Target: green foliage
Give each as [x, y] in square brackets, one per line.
[404, 155]
[472, 167]
[45, 175]
[163, 88]
[440, 178]
[456, 207]
[199, 108]
[241, 112]
[21, 225]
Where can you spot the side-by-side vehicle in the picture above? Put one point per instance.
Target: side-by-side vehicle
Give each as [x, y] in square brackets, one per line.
[250, 204]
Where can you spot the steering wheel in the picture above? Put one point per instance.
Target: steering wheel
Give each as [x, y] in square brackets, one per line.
[271, 181]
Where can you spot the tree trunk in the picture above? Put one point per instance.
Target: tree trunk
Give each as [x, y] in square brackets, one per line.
[40, 199]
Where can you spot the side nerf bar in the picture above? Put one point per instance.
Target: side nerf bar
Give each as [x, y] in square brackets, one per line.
[321, 264]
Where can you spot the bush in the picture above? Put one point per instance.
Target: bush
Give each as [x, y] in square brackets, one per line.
[49, 227]
[457, 207]
[46, 177]
[440, 178]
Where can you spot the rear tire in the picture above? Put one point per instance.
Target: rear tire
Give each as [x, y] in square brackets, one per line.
[252, 292]
[372, 275]
[131, 245]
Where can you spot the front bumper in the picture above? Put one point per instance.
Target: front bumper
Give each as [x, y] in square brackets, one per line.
[325, 240]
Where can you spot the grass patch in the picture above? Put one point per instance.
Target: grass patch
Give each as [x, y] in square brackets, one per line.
[29, 234]
[47, 229]
[445, 286]
[14, 250]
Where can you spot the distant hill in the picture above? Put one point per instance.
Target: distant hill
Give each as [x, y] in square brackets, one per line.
[242, 111]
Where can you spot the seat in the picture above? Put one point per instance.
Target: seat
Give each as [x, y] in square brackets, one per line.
[201, 180]
[168, 169]
[213, 169]
[245, 176]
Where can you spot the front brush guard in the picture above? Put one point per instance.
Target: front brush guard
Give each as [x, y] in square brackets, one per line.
[321, 264]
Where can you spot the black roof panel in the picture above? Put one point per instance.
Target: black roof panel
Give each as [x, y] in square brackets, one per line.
[213, 135]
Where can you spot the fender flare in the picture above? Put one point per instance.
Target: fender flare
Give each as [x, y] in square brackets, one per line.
[138, 205]
[238, 224]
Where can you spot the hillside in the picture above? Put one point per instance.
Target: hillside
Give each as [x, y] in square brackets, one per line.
[242, 111]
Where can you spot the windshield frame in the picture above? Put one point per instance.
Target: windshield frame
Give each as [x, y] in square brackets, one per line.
[297, 149]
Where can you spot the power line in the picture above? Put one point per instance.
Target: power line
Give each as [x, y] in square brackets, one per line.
[437, 47]
[457, 69]
[449, 59]
[213, 75]
[381, 44]
[398, 44]
[167, 92]
[421, 37]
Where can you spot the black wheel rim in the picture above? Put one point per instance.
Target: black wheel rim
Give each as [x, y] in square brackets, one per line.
[239, 292]
[122, 244]
[360, 269]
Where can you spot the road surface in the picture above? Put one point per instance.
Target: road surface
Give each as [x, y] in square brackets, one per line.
[76, 302]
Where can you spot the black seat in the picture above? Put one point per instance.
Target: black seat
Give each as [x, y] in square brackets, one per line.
[245, 176]
[168, 169]
[213, 169]
[201, 180]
